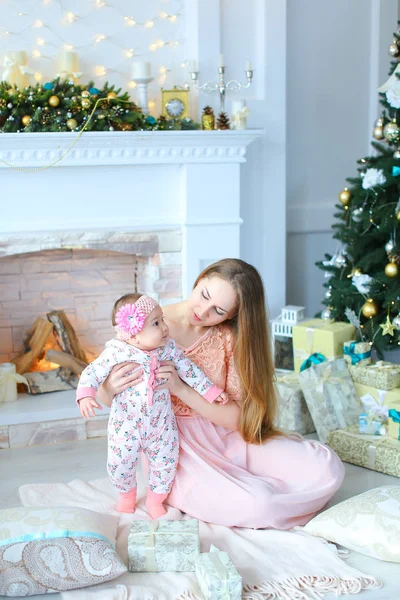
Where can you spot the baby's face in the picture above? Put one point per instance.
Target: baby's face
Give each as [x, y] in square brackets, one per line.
[155, 332]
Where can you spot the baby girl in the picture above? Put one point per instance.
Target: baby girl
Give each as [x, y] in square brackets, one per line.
[141, 417]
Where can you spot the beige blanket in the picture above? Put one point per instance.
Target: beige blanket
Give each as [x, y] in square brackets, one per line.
[285, 565]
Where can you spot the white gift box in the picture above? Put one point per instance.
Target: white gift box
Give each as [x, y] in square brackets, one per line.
[217, 576]
[163, 545]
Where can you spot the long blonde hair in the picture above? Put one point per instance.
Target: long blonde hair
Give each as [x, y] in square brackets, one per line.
[252, 350]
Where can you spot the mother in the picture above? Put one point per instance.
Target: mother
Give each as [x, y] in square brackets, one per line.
[235, 469]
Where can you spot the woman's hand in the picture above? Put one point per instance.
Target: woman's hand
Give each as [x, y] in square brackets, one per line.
[121, 377]
[169, 378]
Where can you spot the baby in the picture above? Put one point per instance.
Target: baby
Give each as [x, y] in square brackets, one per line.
[141, 417]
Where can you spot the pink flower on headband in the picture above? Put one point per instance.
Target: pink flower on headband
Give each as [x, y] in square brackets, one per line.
[130, 319]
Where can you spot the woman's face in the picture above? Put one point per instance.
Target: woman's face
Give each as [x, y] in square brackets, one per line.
[212, 301]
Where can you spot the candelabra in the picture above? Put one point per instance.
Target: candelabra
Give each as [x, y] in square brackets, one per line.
[222, 86]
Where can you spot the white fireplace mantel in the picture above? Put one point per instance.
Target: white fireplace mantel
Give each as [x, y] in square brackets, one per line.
[127, 181]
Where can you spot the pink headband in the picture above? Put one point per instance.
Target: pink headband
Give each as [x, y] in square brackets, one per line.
[130, 318]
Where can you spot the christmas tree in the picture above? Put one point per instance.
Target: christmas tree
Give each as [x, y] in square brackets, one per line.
[362, 277]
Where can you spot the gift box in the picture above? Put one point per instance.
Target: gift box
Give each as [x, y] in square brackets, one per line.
[381, 375]
[318, 340]
[331, 396]
[373, 452]
[163, 545]
[357, 353]
[376, 402]
[217, 576]
[370, 425]
[292, 412]
[394, 419]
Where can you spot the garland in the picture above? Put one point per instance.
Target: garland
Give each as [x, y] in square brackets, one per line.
[65, 106]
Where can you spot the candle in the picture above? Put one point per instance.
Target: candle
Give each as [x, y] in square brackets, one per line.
[68, 62]
[221, 60]
[15, 69]
[141, 70]
[8, 383]
[239, 114]
[248, 66]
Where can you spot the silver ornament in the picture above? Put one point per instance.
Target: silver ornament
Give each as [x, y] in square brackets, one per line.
[396, 154]
[326, 314]
[389, 247]
[379, 122]
[340, 260]
[9, 105]
[396, 322]
[328, 294]
[357, 214]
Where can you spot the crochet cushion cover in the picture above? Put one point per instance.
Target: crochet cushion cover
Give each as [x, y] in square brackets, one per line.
[45, 550]
[368, 523]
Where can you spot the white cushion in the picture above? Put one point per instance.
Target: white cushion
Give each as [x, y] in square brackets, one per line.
[45, 550]
[368, 523]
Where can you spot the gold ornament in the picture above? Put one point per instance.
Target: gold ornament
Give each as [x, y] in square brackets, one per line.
[12, 92]
[54, 101]
[85, 94]
[111, 95]
[369, 309]
[398, 215]
[378, 132]
[391, 131]
[85, 103]
[356, 272]
[101, 116]
[391, 270]
[72, 124]
[207, 122]
[394, 49]
[26, 119]
[345, 197]
[388, 327]
[379, 122]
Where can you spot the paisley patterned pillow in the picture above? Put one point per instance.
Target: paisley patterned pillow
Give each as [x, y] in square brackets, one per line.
[368, 523]
[45, 550]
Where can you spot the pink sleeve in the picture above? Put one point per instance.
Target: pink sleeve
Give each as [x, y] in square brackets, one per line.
[232, 384]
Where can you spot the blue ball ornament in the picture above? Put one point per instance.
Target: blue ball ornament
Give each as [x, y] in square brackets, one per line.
[94, 91]
[150, 119]
[48, 86]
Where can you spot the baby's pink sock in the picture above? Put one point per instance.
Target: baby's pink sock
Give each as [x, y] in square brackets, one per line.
[154, 504]
[127, 501]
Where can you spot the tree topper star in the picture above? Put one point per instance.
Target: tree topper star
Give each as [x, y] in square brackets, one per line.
[388, 327]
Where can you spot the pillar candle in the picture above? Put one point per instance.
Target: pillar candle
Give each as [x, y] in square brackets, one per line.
[68, 64]
[141, 70]
[15, 71]
[8, 382]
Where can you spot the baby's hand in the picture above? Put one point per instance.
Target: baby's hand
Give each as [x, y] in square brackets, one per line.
[87, 406]
[222, 398]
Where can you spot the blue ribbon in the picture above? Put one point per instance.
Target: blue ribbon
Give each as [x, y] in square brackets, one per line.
[355, 358]
[395, 171]
[50, 535]
[314, 359]
[395, 416]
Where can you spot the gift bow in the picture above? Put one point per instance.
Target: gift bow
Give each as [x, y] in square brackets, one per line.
[11, 62]
[69, 75]
[355, 358]
[395, 171]
[310, 358]
[7, 377]
[316, 358]
[375, 407]
[395, 416]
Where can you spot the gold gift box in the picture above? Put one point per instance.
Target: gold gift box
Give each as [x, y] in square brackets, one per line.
[394, 426]
[353, 351]
[371, 451]
[320, 336]
[381, 375]
[382, 397]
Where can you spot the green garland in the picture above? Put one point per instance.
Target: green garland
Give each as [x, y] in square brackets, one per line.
[35, 108]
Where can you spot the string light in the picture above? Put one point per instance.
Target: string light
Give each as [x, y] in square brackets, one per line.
[100, 71]
[100, 3]
[160, 43]
[128, 52]
[68, 47]
[163, 70]
[129, 21]
[38, 23]
[38, 76]
[71, 17]
[153, 47]
[100, 37]
[172, 18]
[40, 41]
[132, 84]
[152, 104]
[163, 15]
[149, 24]
[36, 54]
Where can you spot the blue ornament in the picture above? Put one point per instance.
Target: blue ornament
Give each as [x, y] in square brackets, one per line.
[94, 91]
[151, 120]
[48, 86]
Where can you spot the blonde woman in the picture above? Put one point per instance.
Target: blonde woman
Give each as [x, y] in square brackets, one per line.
[235, 468]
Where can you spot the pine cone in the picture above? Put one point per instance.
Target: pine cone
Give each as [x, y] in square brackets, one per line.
[223, 121]
[207, 110]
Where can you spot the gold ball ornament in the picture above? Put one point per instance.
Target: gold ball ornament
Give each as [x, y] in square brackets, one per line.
[356, 272]
[85, 103]
[394, 50]
[12, 92]
[54, 101]
[391, 270]
[85, 94]
[391, 131]
[378, 132]
[345, 197]
[398, 215]
[26, 119]
[72, 124]
[369, 309]
[111, 95]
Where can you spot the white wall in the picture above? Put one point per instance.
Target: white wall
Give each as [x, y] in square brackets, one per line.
[336, 58]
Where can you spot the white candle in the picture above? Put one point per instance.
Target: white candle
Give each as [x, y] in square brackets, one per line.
[248, 66]
[68, 62]
[12, 73]
[237, 105]
[221, 60]
[141, 70]
[8, 387]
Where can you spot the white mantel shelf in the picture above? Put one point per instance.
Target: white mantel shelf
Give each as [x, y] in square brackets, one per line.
[125, 148]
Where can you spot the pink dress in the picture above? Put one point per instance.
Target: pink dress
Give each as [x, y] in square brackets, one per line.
[223, 480]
